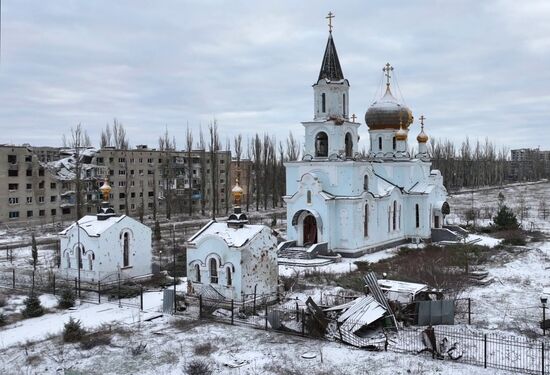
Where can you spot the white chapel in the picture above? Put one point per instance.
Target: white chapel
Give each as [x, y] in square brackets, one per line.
[339, 201]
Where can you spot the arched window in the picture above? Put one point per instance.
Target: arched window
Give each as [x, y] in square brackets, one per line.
[394, 143]
[68, 260]
[229, 277]
[417, 215]
[344, 105]
[323, 103]
[126, 250]
[380, 143]
[81, 250]
[90, 262]
[321, 144]
[213, 271]
[198, 273]
[349, 145]
[366, 222]
[309, 197]
[394, 216]
[366, 182]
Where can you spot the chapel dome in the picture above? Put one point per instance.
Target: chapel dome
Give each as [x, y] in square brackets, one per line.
[388, 113]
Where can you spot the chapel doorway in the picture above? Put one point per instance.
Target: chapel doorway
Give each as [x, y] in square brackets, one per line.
[310, 230]
[436, 221]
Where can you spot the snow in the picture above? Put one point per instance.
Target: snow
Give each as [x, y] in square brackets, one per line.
[234, 237]
[94, 227]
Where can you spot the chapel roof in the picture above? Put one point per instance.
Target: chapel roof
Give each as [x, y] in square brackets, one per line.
[233, 237]
[94, 227]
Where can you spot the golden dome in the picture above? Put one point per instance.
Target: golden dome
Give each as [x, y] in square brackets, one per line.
[422, 137]
[237, 193]
[401, 134]
[387, 113]
[105, 189]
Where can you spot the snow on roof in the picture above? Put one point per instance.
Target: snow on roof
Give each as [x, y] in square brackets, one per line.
[421, 188]
[234, 237]
[401, 286]
[92, 226]
[364, 311]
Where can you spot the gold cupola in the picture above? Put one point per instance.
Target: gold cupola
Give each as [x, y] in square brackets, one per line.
[237, 193]
[422, 137]
[401, 134]
[105, 190]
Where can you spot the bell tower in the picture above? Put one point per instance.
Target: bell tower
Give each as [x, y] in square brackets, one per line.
[331, 134]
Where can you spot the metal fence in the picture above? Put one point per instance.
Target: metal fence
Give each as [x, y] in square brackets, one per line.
[460, 343]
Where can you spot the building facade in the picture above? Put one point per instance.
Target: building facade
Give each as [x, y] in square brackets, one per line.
[348, 204]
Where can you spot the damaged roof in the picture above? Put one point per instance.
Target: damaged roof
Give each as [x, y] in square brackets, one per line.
[233, 237]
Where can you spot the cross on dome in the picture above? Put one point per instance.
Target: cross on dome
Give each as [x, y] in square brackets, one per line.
[422, 118]
[387, 69]
[330, 17]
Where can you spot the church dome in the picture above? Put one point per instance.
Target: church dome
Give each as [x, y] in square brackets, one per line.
[422, 137]
[401, 134]
[388, 113]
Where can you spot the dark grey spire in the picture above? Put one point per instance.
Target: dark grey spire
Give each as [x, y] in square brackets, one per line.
[330, 69]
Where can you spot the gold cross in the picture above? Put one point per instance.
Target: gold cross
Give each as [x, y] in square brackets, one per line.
[353, 117]
[387, 69]
[330, 17]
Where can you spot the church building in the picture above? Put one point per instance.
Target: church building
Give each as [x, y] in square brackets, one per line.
[106, 246]
[339, 201]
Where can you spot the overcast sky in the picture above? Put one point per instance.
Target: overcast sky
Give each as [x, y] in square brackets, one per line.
[476, 68]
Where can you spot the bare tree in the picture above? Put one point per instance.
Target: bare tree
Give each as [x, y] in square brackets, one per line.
[292, 148]
[213, 148]
[78, 141]
[202, 148]
[191, 182]
[166, 146]
[106, 137]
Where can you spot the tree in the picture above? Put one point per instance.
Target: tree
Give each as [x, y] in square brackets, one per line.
[79, 140]
[167, 171]
[506, 219]
[33, 307]
[34, 262]
[190, 180]
[213, 148]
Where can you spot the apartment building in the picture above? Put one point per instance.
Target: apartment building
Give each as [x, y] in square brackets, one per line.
[529, 164]
[29, 192]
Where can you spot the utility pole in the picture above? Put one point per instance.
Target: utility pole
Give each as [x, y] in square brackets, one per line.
[79, 260]
[174, 262]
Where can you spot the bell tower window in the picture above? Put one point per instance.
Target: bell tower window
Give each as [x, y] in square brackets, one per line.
[366, 222]
[366, 183]
[394, 143]
[380, 143]
[344, 105]
[321, 144]
[323, 103]
[349, 145]
[417, 216]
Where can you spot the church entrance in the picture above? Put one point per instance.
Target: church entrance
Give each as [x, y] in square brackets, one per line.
[310, 230]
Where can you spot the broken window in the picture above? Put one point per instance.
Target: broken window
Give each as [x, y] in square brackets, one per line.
[349, 145]
[213, 271]
[321, 144]
[229, 277]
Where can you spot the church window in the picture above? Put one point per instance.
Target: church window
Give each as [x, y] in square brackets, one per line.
[198, 272]
[213, 271]
[344, 105]
[309, 197]
[68, 260]
[366, 222]
[126, 250]
[321, 144]
[229, 279]
[394, 143]
[380, 143]
[323, 102]
[81, 250]
[417, 216]
[349, 145]
[366, 183]
[90, 262]
[394, 216]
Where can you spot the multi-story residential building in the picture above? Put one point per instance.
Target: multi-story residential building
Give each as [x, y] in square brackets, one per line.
[529, 164]
[29, 192]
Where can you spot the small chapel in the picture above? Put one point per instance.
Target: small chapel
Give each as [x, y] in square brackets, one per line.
[340, 201]
[233, 260]
[106, 246]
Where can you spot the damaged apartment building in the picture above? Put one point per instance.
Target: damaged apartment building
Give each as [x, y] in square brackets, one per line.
[40, 183]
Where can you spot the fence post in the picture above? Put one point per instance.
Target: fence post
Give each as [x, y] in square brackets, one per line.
[266, 315]
[232, 312]
[303, 323]
[75, 286]
[99, 292]
[200, 306]
[141, 297]
[297, 312]
[543, 356]
[53, 283]
[469, 311]
[13, 278]
[485, 350]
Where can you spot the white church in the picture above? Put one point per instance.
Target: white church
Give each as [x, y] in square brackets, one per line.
[341, 202]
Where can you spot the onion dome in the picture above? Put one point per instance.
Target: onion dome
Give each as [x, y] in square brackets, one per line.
[422, 137]
[105, 189]
[387, 113]
[401, 134]
[237, 193]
